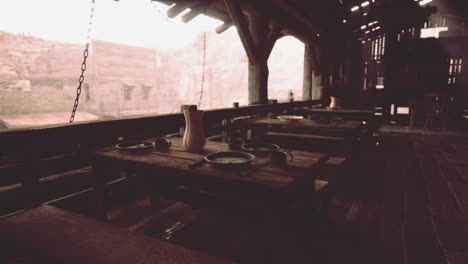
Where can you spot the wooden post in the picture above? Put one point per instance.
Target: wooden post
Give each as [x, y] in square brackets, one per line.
[390, 70]
[258, 72]
[318, 91]
[258, 41]
[307, 80]
[258, 83]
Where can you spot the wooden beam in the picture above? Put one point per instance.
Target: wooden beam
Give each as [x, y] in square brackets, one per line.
[289, 25]
[296, 14]
[242, 28]
[302, 37]
[273, 35]
[177, 9]
[223, 27]
[196, 10]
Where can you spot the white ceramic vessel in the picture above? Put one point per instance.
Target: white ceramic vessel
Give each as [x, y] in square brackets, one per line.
[194, 136]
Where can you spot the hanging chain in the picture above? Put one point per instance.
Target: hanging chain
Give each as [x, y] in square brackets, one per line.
[203, 70]
[83, 64]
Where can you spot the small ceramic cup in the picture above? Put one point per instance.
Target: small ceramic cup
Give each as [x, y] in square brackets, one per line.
[162, 144]
[280, 158]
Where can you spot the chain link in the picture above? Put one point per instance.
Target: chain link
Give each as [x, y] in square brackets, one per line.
[203, 70]
[83, 64]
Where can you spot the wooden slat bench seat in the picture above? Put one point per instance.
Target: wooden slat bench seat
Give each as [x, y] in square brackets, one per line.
[48, 188]
[67, 237]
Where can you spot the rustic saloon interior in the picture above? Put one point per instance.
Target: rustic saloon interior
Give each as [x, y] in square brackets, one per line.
[368, 165]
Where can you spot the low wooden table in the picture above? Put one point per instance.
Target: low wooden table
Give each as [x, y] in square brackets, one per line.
[366, 116]
[348, 114]
[169, 169]
[51, 235]
[348, 130]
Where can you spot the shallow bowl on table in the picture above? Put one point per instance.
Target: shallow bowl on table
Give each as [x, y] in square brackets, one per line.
[136, 146]
[230, 158]
[261, 149]
[290, 117]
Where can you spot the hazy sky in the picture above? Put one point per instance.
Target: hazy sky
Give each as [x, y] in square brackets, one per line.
[132, 22]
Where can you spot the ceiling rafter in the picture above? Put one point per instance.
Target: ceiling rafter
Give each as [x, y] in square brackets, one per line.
[196, 10]
[223, 27]
[240, 22]
[177, 9]
[297, 15]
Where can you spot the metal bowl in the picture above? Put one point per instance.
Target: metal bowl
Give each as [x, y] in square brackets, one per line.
[137, 146]
[290, 117]
[261, 149]
[230, 158]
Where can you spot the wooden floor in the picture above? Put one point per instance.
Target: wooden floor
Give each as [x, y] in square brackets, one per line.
[408, 204]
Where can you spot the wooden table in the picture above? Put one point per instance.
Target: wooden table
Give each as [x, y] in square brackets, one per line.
[169, 169]
[366, 116]
[348, 130]
[51, 235]
[347, 114]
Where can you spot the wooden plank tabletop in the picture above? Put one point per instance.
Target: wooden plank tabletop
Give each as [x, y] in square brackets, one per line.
[339, 111]
[75, 239]
[332, 126]
[258, 173]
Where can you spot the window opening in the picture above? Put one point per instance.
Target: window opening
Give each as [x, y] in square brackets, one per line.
[127, 91]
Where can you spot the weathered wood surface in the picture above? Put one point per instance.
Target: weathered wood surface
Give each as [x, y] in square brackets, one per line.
[443, 166]
[348, 130]
[60, 148]
[178, 159]
[311, 126]
[341, 111]
[67, 237]
[259, 181]
[99, 133]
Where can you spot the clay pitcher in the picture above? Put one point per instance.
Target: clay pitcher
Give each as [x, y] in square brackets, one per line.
[333, 102]
[194, 136]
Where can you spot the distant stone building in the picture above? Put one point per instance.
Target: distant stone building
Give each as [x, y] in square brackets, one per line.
[120, 80]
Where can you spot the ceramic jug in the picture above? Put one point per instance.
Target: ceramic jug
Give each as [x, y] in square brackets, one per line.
[333, 103]
[194, 136]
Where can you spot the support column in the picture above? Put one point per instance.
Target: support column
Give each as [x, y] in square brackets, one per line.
[307, 81]
[258, 71]
[390, 71]
[257, 39]
[258, 83]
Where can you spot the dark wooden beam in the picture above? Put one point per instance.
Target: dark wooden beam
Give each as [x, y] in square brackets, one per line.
[223, 27]
[240, 22]
[306, 38]
[177, 9]
[273, 35]
[196, 10]
[297, 15]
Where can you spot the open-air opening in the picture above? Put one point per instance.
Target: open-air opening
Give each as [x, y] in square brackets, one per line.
[140, 61]
[286, 69]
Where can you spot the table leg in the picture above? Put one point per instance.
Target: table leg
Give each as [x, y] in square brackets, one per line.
[352, 151]
[99, 192]
[244, 134]
[412, 114]
[155, 193]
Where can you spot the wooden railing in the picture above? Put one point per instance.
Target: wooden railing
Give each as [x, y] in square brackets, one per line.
[31, 159]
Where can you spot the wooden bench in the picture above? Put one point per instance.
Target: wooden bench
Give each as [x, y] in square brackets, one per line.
[66, 237]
